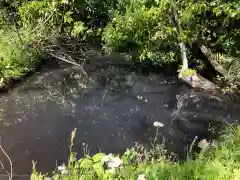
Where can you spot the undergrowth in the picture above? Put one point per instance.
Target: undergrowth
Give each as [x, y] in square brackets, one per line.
[17, 56]
[219, 162]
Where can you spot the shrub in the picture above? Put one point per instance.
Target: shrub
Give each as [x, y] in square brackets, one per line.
[17, 57]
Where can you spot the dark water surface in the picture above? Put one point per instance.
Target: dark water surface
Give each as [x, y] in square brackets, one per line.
[112, 108]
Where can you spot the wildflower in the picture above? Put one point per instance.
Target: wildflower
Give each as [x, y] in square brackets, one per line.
[62, 167]
[141, 177]
[105, 159]
[158, 124]
[47, 178]
[116, 162]
[203, 144]
[110, 156]
[65, 171]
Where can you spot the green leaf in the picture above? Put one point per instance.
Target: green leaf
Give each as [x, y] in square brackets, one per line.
[98, 168]
[125, 160]
[85, 163]
[97, 157]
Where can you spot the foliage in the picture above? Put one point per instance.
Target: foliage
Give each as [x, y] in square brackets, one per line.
[187, 73]
[221, 162]
[27, 26]
[149, 28]
[145, 29]
[17, 57]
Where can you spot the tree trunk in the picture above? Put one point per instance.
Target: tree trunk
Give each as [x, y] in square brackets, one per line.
[184, 56]
[181, 44]
[194, 80]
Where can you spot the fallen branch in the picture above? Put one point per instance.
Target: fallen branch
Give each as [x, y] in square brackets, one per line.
[39, 25]
[62, 57]
[10, 175]
[213, 61]
[200, 82]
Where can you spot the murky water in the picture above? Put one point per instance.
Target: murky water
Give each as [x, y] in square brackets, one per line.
[112, 108]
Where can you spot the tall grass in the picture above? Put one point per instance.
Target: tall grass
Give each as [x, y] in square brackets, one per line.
[17, 56]
[220, 162]
[21, 51]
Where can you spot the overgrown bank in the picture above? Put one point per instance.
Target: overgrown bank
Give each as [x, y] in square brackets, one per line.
[163, 31]
[217, 161]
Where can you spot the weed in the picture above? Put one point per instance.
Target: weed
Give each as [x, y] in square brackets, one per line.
[221, 162]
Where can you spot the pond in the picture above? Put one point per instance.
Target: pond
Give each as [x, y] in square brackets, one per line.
[113, 107]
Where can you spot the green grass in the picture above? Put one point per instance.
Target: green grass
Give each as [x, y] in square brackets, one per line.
[17, 56]
[220, 162]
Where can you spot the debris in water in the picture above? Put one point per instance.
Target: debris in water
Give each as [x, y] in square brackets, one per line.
[139, 97]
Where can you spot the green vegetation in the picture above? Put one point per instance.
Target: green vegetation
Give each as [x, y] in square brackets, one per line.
[217, 161]
[164, 31]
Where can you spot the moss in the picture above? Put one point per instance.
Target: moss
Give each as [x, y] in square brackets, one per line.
[186, 73]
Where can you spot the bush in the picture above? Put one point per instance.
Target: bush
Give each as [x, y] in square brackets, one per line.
[149, 29]
[143, 30]
[17, 57]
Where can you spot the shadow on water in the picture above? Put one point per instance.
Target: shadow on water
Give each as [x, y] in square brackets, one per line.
[114, 107]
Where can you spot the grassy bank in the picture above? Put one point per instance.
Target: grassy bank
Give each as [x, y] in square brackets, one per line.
[17, 56]
[220, 161]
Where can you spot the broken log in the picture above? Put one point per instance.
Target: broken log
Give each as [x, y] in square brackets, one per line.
[213, 59]
[198, 82]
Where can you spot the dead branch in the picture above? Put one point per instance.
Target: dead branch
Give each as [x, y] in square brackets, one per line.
[3, 168]
[213, 61]
[68, 59]
[10, 175]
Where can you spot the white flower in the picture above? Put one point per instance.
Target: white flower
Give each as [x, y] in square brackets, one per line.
[62, 167]
[141, 177]
[47, 178]
[110, 156]
[116, 162]
[158, 124]
[65, 171]
[203, 144]
[105, 159]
